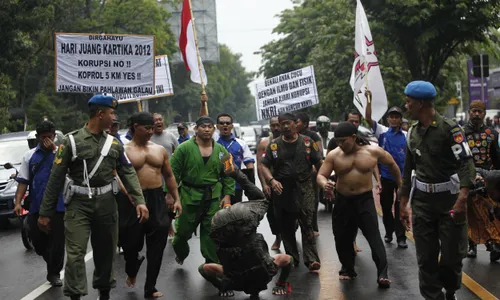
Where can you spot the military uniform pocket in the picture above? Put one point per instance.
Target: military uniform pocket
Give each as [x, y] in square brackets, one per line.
[112, 157]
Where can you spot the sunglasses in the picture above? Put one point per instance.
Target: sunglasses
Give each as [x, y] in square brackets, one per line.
[225, 123]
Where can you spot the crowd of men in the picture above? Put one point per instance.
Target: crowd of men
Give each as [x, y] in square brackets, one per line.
[122, 191]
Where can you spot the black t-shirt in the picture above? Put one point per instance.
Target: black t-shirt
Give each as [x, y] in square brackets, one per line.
[313, 135]
[287, 162]
[332, 144]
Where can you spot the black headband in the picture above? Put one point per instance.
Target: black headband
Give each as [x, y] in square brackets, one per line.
[345, 129]
[142, 118]
[204, 120]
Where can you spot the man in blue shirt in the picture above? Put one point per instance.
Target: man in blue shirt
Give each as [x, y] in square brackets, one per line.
[393, 140]
[238, 149]
[183, 133]
[35, 172]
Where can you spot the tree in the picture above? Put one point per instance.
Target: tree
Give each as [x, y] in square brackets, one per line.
[429, 32]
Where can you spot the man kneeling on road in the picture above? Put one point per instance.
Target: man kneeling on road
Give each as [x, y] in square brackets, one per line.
[34, 172]
[354, 206]
[245, 263]
[150, 161]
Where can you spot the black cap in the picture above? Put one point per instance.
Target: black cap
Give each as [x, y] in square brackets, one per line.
[181, 125]
[395, 109]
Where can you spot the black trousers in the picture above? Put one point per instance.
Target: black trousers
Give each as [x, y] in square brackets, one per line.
[49, 246]
[348, 214]
[154, 231]
[271, 217]
[238, 196]
[391, 223]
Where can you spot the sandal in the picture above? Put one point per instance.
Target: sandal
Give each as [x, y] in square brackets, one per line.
[153, 294]
[314, 266]
[384, 283]
[282, 288]
[226, 293]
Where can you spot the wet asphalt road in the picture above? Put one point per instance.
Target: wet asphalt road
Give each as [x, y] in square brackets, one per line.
[23, 271]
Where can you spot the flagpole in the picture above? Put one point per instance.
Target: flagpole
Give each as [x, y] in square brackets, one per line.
[368, 98]
[197, 52]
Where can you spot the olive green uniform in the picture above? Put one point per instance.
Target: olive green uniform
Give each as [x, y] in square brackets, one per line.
[202, 184]
[436, 153]
[84, 215]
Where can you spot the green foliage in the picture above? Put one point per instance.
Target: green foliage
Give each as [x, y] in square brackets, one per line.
[414, 39]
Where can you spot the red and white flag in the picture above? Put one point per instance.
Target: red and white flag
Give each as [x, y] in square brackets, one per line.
[187, 44]
[366, 70]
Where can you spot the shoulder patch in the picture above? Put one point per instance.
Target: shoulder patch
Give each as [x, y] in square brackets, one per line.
[274, 146]
[456, 129]
[315, 146]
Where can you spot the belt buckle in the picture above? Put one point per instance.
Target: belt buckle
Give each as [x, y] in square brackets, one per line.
[431, 189]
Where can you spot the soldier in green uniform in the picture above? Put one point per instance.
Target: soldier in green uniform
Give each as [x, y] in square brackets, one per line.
[204, 189]
[91, 211]
[442, 160]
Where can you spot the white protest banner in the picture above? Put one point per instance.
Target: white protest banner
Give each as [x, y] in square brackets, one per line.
[104, 63]
[286, 92]
[163, 83]
[366, 70]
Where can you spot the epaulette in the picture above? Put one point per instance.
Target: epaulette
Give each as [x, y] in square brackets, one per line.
[450, 122]
[71, 132]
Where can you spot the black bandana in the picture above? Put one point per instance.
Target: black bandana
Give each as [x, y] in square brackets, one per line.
[287, 116]
[142, 118]
[204, 120]
[345, 129]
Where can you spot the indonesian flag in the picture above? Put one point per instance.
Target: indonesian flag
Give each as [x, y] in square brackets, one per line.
[188, 48]
[366, 69]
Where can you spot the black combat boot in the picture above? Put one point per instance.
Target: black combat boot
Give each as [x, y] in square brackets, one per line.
[103, 295]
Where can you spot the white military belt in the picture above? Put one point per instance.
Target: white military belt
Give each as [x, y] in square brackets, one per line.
[96, 191]
[434, 187]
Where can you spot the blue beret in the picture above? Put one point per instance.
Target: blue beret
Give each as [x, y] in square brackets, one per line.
[420, 90]
[104, 100]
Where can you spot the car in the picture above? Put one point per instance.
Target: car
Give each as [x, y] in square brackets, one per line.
[13, 146]
[249, 135]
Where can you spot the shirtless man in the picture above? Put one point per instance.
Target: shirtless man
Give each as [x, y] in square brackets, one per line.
[151, 163]
[354, 164]
[274, 125]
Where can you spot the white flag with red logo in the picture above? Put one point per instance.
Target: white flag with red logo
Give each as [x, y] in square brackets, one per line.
[188, 47]
[366, 70]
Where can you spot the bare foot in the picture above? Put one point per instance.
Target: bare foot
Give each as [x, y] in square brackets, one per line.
[157, 295]
[384, 283]
[356, 249]
[277, 244]
[180, 262]
[228, 293]
[314, 266]
[345, 277]
[130, 282]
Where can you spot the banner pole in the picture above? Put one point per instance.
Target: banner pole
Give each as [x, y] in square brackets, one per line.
[368, 98]
[197, 52]
[139, 105]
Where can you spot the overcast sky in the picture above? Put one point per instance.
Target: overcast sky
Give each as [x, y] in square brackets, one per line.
[246, 25]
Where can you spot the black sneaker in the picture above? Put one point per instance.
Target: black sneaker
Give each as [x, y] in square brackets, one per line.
[402, 244]
[103, 295]
[472, 251]
[77, 297]
[388, 239]
[54, 280]
[450, 296]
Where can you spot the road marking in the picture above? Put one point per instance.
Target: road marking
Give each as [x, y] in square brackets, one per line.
[470, 283]
[44, 287]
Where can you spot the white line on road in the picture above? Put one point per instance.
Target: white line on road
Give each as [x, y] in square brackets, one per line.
[44, 287]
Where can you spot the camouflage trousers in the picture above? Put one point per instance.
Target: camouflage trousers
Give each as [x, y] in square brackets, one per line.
[303, 213]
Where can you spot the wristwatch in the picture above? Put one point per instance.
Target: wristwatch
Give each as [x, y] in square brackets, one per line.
[269, 181]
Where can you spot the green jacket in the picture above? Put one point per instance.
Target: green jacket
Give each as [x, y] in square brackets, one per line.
[436, 153]
[88, 147]
[189, 169]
